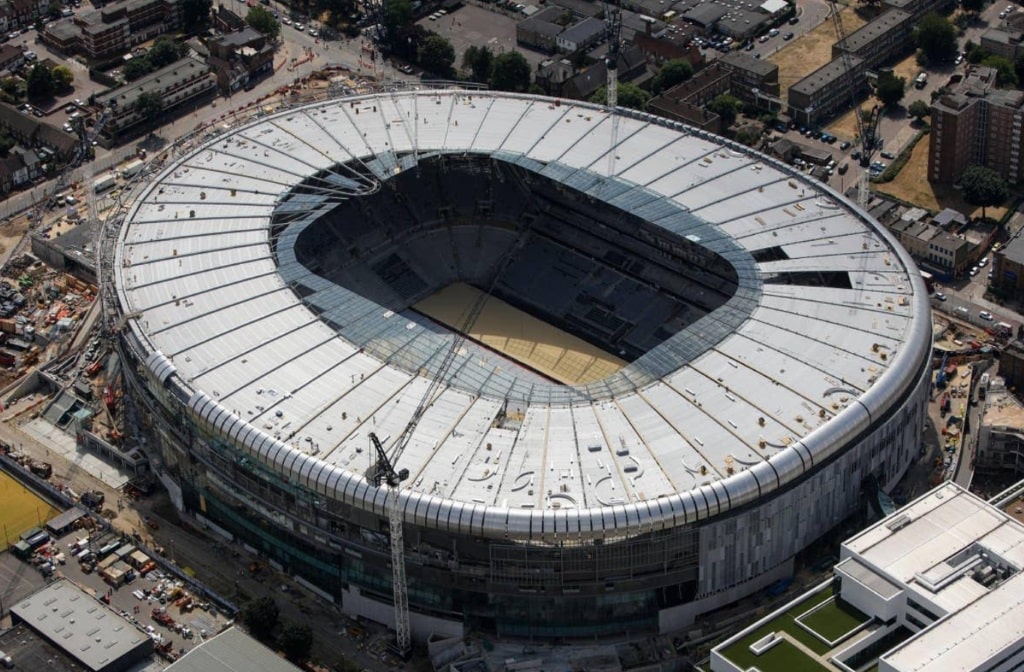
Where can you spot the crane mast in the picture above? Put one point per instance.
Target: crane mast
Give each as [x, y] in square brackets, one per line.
[613, 24]
[867, 129]
[383, 471]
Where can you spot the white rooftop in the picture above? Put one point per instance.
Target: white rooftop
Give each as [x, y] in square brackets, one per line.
[928, 547]
[195, 267]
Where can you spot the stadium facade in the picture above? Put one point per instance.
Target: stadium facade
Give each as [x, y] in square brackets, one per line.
[774, 341]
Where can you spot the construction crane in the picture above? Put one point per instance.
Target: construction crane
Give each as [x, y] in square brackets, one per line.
[85, 139]
[613, 26]
[384, 471]
[867, 129]
[613, 30]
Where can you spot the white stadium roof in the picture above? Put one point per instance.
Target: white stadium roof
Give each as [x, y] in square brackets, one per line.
[195, 263]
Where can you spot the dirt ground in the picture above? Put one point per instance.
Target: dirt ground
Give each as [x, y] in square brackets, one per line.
[11, 233]
[811, 51]
[912, 186]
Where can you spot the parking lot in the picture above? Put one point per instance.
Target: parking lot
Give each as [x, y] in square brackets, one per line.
[157, 603]
[473, 25]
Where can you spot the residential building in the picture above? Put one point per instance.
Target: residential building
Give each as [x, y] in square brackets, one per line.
[1008, 269]
[1011, 364]
[686, 101]
[880, 39]
[1005, 42]
[668, 46]
[583, 85]
[918, 8]
[1001, 434]
[11, 57]
[113, 29]
[552, 75]
[541, 30]
[928, 588]
[581, 36]
[826, 91]
[976, 124]
[239, 57]
[178, 83]
[755, 81]
[31, 133]
[949, 255]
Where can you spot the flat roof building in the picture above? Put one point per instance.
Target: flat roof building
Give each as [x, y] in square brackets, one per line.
[83, 627]
[929, 588]
[231, 651]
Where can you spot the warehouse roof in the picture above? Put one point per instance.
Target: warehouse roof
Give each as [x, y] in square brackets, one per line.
[231, 651]
[80, 625]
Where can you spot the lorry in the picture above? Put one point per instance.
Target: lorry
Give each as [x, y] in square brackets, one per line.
[131, 169]
[104, 183]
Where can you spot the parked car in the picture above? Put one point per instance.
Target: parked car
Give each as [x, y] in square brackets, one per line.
[787, 37]
[985, 315]
[939, 296]
[844, 145]
[888, 155]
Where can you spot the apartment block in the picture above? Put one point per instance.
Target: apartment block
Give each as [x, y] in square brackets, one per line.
[976, 124]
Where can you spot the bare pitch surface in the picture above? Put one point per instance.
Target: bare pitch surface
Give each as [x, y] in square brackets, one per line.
[22, 509]
[520, 336]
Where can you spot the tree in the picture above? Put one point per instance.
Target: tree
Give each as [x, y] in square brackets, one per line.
[935, 36]
[890, 88]
[62, 78]
[13, 89]
[726, 107]
[630, 95]
[54, 8]
[397, 16]
[436, 55]
[919, 109]
[195, 14]
[261, 617]
[260, 18]
[149, 105]
[296, 641]
[673, 72]
[510, 72]
[479, 61]
[135, 68]
[1006, 74]
[973, 6]
[40, 83]
[984, 187]
[165, 50]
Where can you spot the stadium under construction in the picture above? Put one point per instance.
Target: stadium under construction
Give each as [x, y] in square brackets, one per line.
[732, 354]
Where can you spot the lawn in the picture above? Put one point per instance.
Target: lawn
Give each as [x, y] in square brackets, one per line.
[783, 657]
[22, 510]
[834, 620]
[806, 54]
[911, 185]
[740, 655]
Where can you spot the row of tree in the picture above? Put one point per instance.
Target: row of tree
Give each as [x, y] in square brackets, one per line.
[263, 619]
[165, 50]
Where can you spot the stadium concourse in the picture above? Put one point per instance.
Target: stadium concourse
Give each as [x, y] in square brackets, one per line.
[766, 350]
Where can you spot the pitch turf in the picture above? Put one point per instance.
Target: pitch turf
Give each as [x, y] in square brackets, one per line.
[22, 510]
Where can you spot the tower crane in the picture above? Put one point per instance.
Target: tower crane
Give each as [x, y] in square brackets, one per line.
[613, 27]
[867, 129]
[385, 471]
[613, 30]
